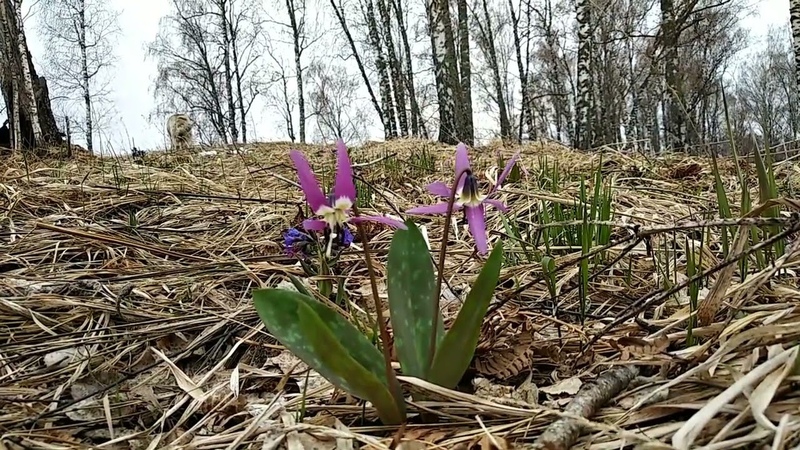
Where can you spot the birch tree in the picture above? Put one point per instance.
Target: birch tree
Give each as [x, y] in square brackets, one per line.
[385, 83]
[335, 104]
[417, 122]
[301, 38]
[395, 71]
[339, 11]
[583, 122]
[486, 42]
[466, 125]
[81, 35]
[523, 65]
[25, 93]
[794, 18]
[209, 64]
[445, 63]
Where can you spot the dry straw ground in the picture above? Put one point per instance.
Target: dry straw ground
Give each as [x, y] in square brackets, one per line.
[127, 322]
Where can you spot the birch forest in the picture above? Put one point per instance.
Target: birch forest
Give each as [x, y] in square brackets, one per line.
[650, 75]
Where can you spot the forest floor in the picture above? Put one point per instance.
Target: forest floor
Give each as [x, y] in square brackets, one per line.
[128, 322]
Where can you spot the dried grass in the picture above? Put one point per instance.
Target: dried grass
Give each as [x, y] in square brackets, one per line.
[127, 317]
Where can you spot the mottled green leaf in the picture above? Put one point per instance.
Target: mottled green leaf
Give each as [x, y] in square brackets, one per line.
[456, 350]
[329, 344]
[412, 304]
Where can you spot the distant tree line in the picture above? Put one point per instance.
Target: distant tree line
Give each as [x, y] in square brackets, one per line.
[654, 75]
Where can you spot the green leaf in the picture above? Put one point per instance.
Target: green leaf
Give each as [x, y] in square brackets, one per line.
[329, 344]
[549, 270]
[411, 287]
[298, 284]
[456, 350]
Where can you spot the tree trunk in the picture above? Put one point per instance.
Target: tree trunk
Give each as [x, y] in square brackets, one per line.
[583, 120]
[394, 70]
[389, 124]
[298, 67]
[359, 63]
[794, 13]
[446, 71]
[87, 96]
[487, 39]
[36, 125]
[466, 127]
[417, 123]
[226, 60]
[237, 71]
[525, 113]
[673, 114]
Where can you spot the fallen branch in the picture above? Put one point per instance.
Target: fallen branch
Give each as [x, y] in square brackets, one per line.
[563, 433]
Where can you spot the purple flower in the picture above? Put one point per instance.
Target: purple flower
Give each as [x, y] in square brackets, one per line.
[296, 243]
[335, 212]
[468, 197]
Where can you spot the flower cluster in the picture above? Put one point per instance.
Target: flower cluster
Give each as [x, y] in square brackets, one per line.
[302, 245]
[296, 243]
[334, 209]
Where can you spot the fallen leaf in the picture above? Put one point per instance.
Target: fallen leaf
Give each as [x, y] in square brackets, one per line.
[569, 386]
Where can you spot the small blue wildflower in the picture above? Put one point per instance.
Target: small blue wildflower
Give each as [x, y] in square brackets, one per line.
[301, 245]
[295, 242]
[347, 238]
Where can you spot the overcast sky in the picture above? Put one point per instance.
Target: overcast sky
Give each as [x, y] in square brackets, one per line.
[132, 96]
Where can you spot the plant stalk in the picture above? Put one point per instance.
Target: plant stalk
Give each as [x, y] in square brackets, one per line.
[440, 270]
[394, 385]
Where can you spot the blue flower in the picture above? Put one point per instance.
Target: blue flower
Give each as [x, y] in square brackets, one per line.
[347, 238]
[296, 243]
[301, 245]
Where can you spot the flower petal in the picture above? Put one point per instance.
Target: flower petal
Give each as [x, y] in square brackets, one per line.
[477, 226]
[439, 188]
[308, 182]
[314, 224]
[462, 163]
[497, 204]
[506, 171]
[344, 174]
[438, 208]
[380, 219]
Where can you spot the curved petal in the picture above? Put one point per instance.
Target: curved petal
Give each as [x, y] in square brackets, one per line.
[439, 188]
[314, 224]
[506, 171]
[477, 226]
[439, 208]
[344, 174]
[308, 182]
[462, 163]
[380, 219]
[497, 204]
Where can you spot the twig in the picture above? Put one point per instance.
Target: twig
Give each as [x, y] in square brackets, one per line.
[375, 161]
[562, 434]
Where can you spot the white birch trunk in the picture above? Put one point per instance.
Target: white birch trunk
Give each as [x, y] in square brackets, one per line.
[794, 14]
[26, 75]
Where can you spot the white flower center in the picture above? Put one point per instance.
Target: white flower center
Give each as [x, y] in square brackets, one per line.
[337, 214]
[469, 195]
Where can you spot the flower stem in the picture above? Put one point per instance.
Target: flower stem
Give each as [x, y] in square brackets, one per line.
[394, 385]
[440, 270]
